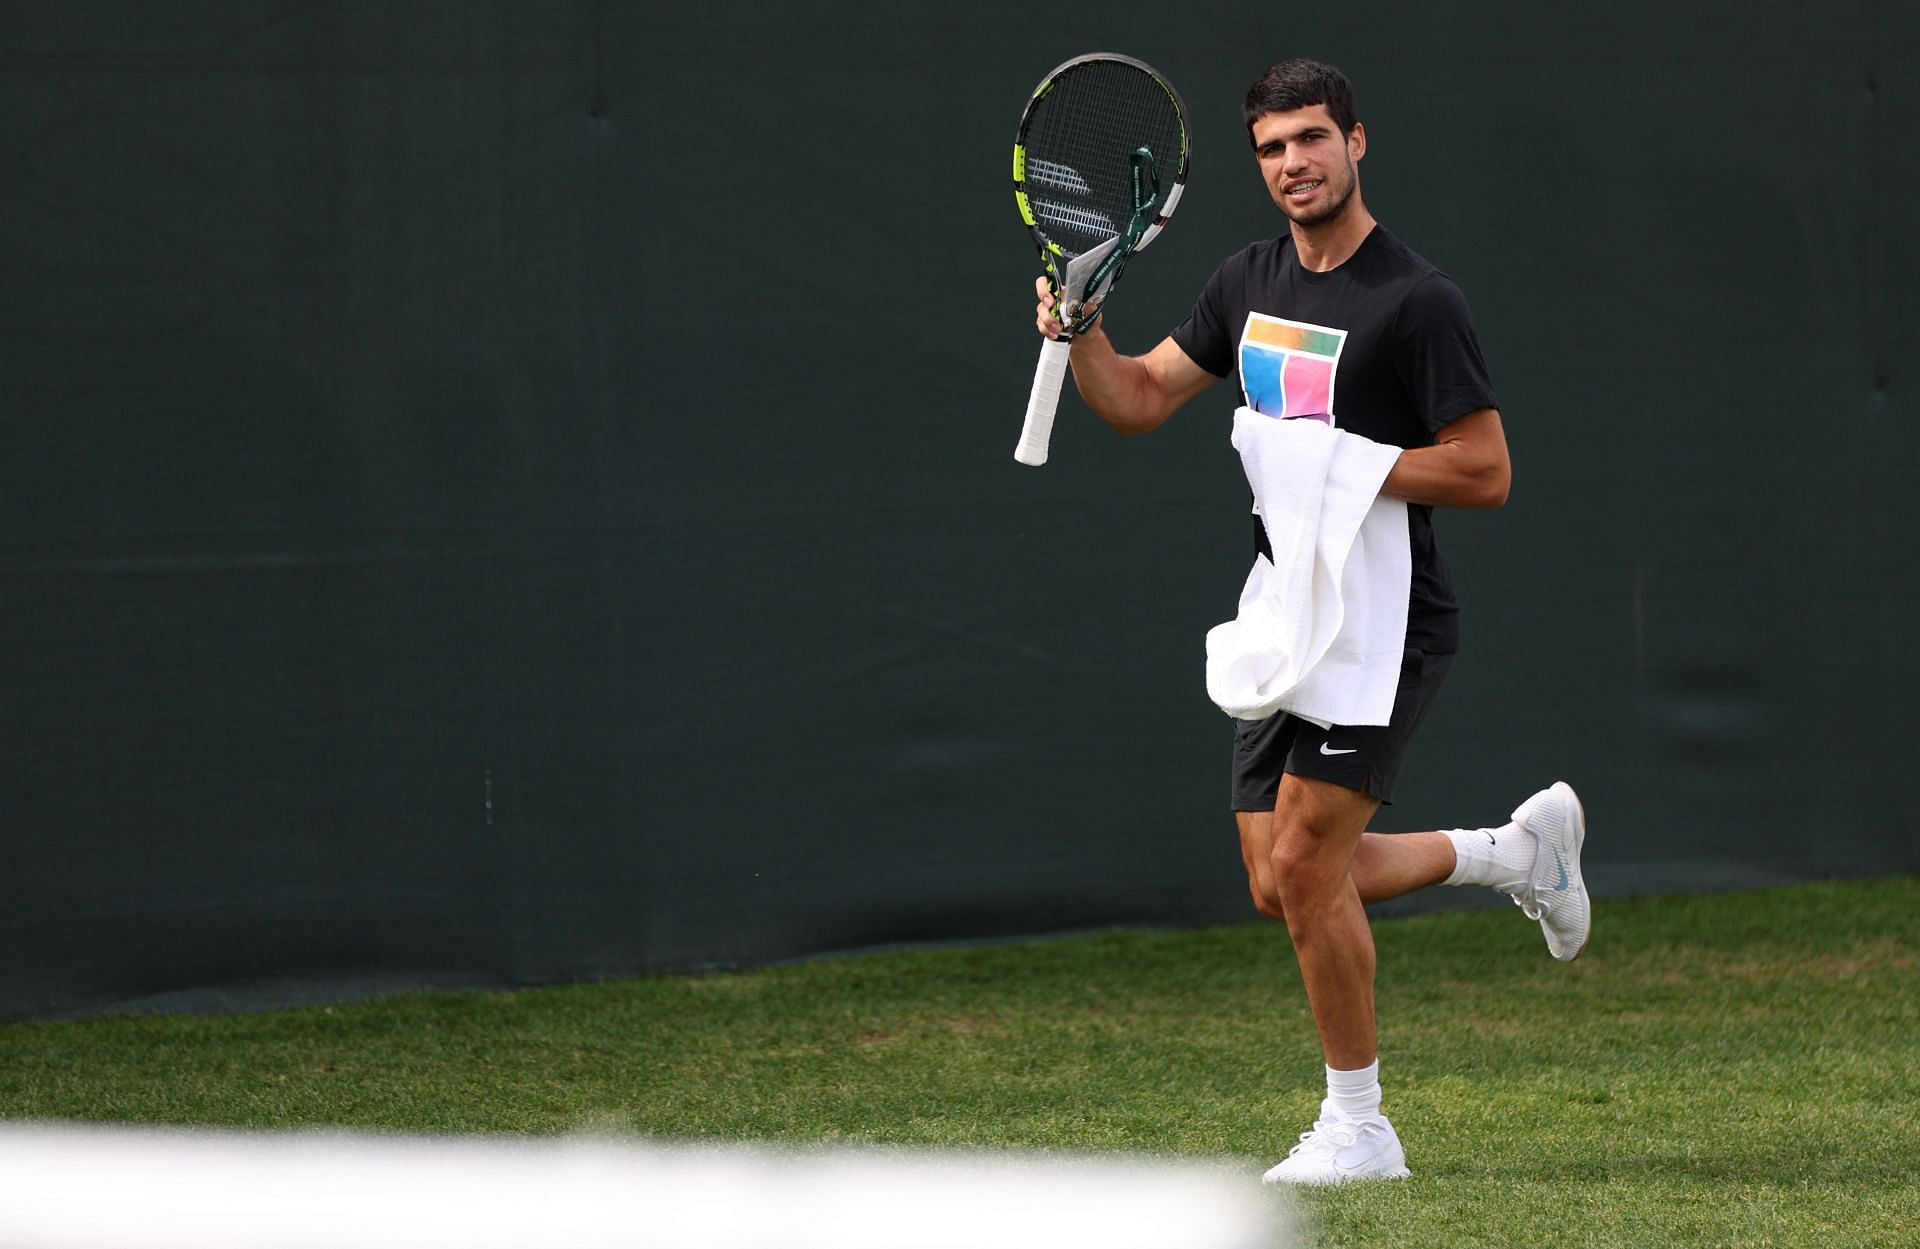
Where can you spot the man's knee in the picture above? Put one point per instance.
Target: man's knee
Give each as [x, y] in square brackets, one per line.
[1266, 898]
[1316, 827]
[1305, 865]
[1256, 851]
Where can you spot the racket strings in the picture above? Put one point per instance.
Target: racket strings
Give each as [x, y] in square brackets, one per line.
[1080, 143]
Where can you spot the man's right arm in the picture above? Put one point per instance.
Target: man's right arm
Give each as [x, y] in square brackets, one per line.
[1133, 394]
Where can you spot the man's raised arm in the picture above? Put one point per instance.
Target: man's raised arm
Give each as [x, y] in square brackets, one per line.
[1131, 393]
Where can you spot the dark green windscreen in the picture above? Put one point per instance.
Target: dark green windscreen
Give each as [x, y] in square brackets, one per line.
[501, 493]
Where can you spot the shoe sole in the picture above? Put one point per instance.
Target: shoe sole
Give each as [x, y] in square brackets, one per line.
[1401, 1173]
[1579, 876]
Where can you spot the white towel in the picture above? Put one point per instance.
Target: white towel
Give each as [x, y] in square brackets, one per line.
[1321, 628]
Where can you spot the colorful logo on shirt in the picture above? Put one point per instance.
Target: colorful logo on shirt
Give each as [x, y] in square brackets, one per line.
[1287, 367]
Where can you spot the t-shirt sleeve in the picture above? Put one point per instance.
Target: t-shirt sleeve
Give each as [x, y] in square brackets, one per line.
[1439, 359]
[1203, 335]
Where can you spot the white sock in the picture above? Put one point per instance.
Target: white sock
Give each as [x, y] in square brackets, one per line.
[1355, 1094]
[1501, 858]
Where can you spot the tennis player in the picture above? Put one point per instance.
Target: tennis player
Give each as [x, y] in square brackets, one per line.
[1407, 371]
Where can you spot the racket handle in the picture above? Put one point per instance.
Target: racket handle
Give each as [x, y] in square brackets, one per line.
[1042, 403]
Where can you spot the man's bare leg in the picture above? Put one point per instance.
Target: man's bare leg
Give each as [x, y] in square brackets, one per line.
[1385, 865]
[1316, 830]
[1313, 836]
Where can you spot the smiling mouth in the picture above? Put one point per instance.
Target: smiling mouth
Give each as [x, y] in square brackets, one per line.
[1300, 190]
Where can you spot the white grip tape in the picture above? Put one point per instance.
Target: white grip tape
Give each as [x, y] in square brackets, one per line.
[1041, 404]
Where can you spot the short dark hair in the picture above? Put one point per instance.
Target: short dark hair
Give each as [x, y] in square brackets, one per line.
[1300, 83]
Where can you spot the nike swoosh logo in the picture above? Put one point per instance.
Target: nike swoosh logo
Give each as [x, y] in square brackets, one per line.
[1326, 750]
[1562, 865]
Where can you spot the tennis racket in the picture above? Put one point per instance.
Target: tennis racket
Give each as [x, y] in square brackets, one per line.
[1098, 168]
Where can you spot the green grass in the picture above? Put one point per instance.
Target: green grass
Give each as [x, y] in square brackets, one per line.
[1731, 1069]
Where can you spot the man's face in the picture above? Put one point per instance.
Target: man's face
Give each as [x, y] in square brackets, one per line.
[1307, 163]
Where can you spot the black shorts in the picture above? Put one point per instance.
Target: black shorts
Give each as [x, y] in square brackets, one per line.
[1365, 758]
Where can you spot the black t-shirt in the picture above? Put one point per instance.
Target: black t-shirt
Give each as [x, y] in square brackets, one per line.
[1382, 346]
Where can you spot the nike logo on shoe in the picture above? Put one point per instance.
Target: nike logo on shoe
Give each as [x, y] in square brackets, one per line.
[1562, 865]
[1328, 750]
[1353, 1159]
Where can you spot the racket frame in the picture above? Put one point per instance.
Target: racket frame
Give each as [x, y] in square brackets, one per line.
[1072, 301]
[1081, 283]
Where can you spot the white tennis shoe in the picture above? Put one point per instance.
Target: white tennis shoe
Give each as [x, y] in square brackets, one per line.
[1340, 1151]
[1556, 894]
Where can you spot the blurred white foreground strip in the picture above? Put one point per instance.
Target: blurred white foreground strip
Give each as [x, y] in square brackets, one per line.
[88, 1187]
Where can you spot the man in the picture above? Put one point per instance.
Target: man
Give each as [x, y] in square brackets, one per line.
[1406, 370]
